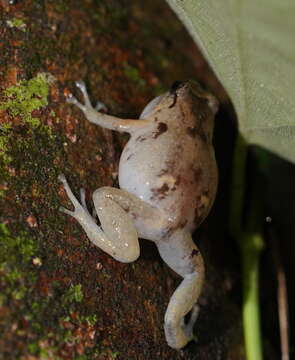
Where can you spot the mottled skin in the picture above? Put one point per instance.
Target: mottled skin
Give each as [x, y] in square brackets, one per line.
[168, 180]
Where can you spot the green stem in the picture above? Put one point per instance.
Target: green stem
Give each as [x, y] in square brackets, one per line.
[253, 244]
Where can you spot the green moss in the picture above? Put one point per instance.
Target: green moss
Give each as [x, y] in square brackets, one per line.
[90, 319]
[74, 294]
[15, 249]
[47, 331]
[21, 100]
[17, 23]
[25, 97]
[16, 253]
[5, 133]
[133, 74]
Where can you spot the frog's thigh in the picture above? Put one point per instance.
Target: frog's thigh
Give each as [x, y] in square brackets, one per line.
[182, 255]
[117, 236]
[148, 220]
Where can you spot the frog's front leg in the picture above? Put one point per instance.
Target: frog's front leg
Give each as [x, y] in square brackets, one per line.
[107, 121]
[117, 211]
[182, 255]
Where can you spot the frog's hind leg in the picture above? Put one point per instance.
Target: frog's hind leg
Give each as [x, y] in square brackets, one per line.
[182, 255]
[148, 220]
[117, 235]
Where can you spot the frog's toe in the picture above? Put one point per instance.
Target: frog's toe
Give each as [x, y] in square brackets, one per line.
[194, 314]
[80, 85]
[189, 327]
[100, 106]
[66, 211]
[83, 198]
[62, 178]
[69, 192]
[94, 214]
[71, 99]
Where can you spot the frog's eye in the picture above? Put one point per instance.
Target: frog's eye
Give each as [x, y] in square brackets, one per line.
[175, 86]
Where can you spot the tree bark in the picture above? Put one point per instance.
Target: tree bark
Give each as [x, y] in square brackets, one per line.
[60, 296]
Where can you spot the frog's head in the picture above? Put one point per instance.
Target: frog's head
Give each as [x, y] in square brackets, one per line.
[196, 107]
[192, 89]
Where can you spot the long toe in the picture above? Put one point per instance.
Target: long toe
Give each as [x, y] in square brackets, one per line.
[100, 106]
[80, 84]
[62, 178]
[71, 99]
[83, 198]
[66, 211]
[189, 327]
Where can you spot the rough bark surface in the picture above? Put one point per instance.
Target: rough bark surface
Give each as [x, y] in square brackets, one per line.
[60, 297]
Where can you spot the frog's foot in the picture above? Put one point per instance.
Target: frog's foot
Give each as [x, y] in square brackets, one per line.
[100, 106]
[178, 333]
[79, 208]
[83, 203]
[188, 327]
[87, 103]
[71, 99]
[83, 198]
[116, 236]
[182, 255]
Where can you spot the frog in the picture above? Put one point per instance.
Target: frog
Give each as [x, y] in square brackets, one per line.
[168, 181]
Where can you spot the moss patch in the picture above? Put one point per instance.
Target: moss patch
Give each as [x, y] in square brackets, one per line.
[17, 23]
[67, 332]
[25, 97]
[5, 132]
[16, 253]
[74, 294]
[22, 101]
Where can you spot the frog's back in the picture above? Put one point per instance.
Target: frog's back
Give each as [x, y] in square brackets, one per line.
[171, 165]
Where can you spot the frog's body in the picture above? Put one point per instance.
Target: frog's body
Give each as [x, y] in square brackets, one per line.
[168, 181]
[171, 164]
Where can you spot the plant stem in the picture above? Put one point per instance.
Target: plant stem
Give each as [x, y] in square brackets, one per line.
[250, 242]
[251, 250]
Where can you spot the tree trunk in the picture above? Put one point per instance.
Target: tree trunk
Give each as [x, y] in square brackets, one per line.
[61, 297]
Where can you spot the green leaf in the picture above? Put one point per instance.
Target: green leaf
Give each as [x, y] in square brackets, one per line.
[250, 46]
